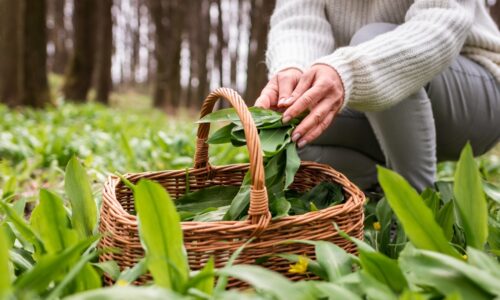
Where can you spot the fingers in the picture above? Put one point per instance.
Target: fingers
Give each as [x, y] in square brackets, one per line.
[308, 99]
[269, 96]
[316, 131]
[305, 82]
[313, 119]
[286, 83]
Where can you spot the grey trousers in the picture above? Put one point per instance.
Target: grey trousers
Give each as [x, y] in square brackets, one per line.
[461, 104]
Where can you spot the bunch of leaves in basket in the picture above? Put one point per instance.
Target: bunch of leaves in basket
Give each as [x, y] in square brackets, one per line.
[281, 164]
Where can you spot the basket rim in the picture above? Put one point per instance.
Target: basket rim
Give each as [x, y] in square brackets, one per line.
[355, 199]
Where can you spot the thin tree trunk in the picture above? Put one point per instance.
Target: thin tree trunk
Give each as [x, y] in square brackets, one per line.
[203, 45]
[9, 49]
[79, 74]
[256, 68]
[58, 35]
[34, 88]
[104, 51]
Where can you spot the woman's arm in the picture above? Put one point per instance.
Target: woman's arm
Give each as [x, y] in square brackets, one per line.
[379, 73]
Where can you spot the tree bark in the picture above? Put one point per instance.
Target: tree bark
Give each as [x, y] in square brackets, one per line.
[9, 48]
[58, 36]
[167, 17]
[104, 51]
[23, 39]
[79, 73]
[256, 68]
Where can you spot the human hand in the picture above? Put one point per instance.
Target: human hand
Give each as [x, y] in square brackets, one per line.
[280, 87]
[320, 90]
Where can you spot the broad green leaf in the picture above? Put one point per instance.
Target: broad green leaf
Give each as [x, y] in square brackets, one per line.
[383, 269]
[49, 267]
[383, 212]
[494, 234]
[410, 295]
[273, 141]
[82, 274]
[222, 280]
[259, 115]
[333, 259]
[312, 265]
[50, 221]
[483, 261]
[23, 228]
[271, 282]
[447, 274]
[131, 274]
[470, 201]
[109, 267]
[416, 218]
[5, 272]
[279, 207]
[221, 136]
[292, 164]
[445, 189]
[431, 199]
[214, 196]
[161, 233]
[374, 289]
[204, 279]
[77, 187]
[212, 215]
[492, 190]
[446, 219]
[127, 293]
[21, 259]
[328, 290]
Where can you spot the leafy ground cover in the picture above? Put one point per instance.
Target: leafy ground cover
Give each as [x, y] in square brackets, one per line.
[441, 244]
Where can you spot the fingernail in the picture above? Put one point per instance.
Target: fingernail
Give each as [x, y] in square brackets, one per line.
[295, 137]
[282, 101]
[302, 143]
[287, 100]
[286, 119]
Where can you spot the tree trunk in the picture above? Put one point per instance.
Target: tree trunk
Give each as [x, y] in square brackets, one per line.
[34, 85]
[79, 73]
[167, 17]
[9, 49]
[23, 40]
[104, 51]
[256, 68]
[58, 35]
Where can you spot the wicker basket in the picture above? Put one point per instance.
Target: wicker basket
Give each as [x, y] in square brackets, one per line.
[220, 239]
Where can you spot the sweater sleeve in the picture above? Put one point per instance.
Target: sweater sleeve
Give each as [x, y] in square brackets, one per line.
[381, 72]
[300, 33]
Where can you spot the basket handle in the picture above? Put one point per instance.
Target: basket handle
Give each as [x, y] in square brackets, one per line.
[259, 210]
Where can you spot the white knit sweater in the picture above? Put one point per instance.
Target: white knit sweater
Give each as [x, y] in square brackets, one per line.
[380, 72]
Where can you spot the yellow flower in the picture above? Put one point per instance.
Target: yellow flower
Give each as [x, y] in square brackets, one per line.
[300, 267]
[465, 257]
[121, 282]
[377, 226]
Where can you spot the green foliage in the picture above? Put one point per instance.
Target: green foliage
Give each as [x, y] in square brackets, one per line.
[470, 200]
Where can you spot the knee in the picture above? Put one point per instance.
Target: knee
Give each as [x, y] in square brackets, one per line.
[370, 31]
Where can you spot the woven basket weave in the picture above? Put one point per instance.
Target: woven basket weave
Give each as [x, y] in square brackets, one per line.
[220, 239]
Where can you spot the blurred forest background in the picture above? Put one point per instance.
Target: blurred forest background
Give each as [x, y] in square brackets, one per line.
[171, 50]
[168, 53]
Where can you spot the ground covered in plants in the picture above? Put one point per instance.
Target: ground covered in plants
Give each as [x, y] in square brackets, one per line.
[442, 244]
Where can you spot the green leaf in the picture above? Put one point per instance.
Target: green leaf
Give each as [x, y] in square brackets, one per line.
[129, 275]
[214, 196]
[77, 187]
[416, 218]
[271, 282]
[279, 207]
[50, 221]
[470, 201]
[212, 215]
[374, 289]
[222, 280]
[333, 259]
[383, 269]
[23, 228]
[324, 195]
[446, 218]
[127, 293]
[445, 189]
[312, 265]
[83, 274]
[431, 199]
[204, 279]
[492, 190]
[259, 115]
[21, 259]
[49, 267]
[221, 136]
[109, 267]
[161, 233]
[328, 290]
[5, 272]
[483, 261]
[292, 164]
[273, 141]
[447, 274]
